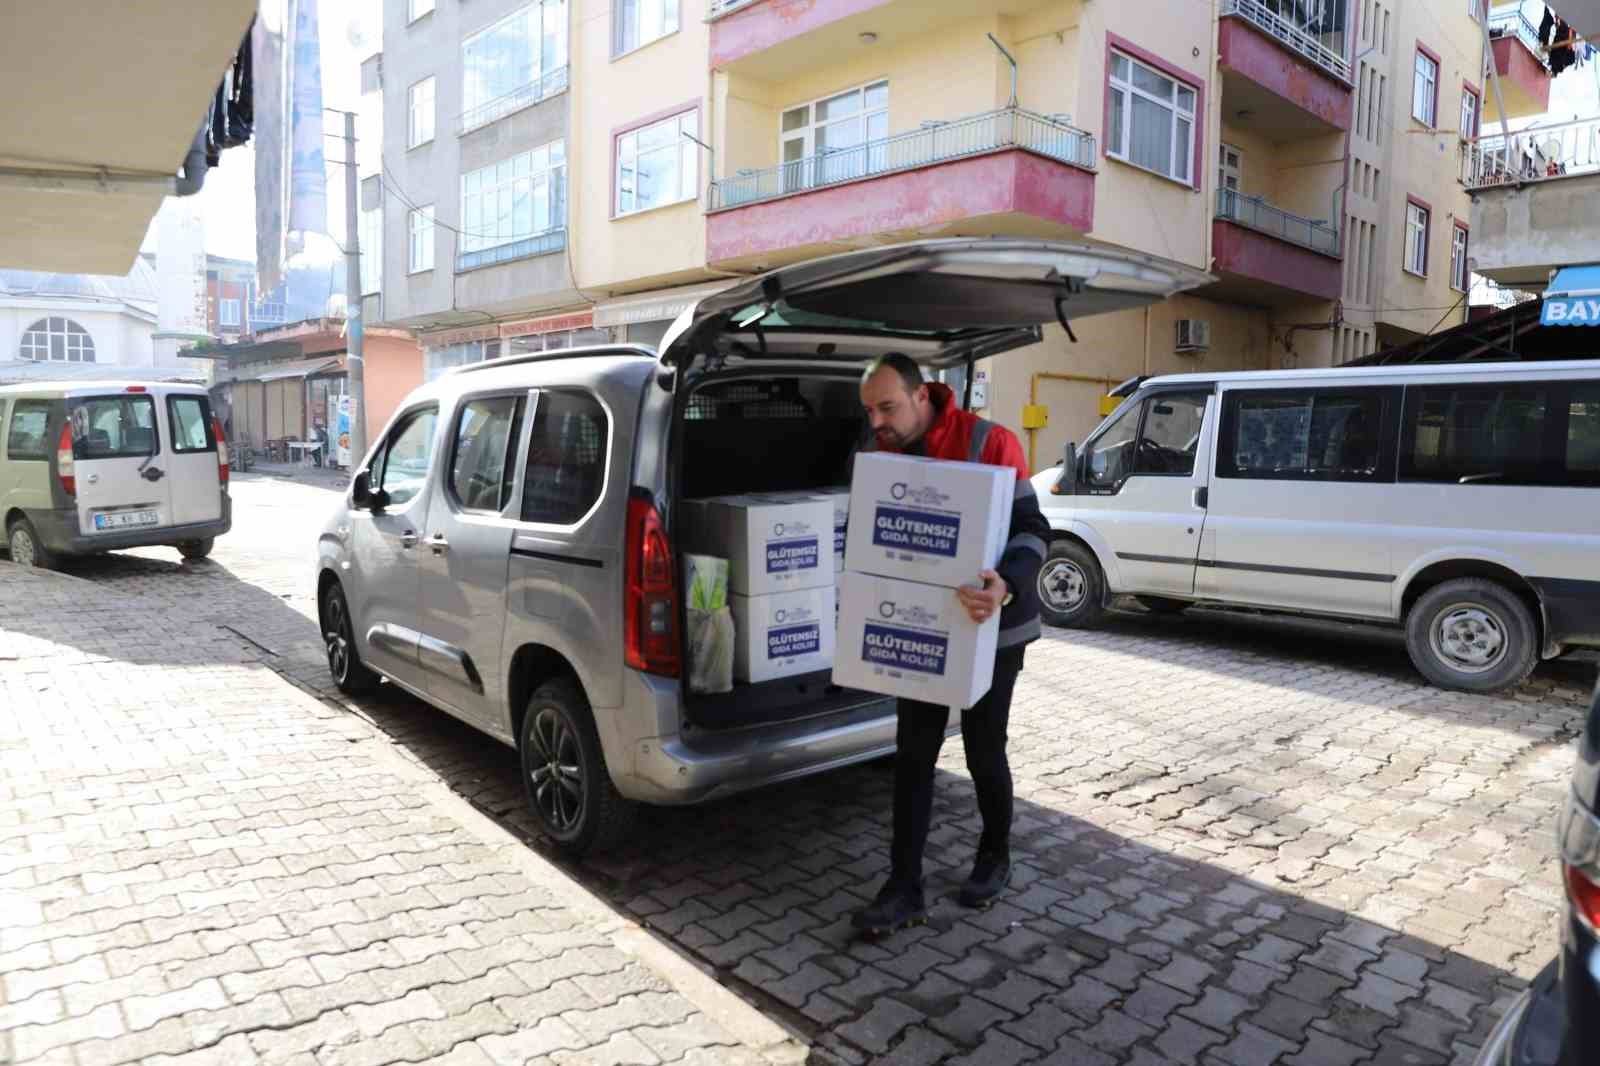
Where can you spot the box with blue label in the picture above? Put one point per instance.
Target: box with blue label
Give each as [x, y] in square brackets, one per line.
[927, 520]
[782, 634]
[911, 640]
[772, 543]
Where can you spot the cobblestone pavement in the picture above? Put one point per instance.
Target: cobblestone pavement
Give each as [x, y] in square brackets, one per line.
[1238, 841]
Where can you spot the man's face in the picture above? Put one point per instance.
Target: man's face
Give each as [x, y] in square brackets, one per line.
[899, 417]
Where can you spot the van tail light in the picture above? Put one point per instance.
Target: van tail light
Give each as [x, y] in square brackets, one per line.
[1578, 835]
[1584, 895]
[651, 628]
[222, 453]
[69, 483]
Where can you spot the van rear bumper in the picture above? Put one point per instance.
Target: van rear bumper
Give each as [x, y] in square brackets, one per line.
[58, 528]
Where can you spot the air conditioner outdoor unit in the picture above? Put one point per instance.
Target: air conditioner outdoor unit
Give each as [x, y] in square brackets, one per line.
[1194, 335]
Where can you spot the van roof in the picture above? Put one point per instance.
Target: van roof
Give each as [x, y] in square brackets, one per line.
[63, 389]
[1550, 368]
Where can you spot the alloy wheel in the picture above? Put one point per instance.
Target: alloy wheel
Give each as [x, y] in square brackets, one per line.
[555, 770]
[337, 637]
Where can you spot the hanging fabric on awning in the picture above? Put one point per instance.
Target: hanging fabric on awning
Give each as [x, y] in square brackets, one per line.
[1573, 298]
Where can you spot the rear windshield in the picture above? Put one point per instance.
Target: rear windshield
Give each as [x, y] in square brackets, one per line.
[112, 427]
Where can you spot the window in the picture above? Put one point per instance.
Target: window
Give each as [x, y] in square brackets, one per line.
[638, 22]
[1583, 434]
[1458, 257]
[415, 9]
[420, 254]
[1318, 434]
[1425, 89]
[1111, 454]
[1416, 238]
[112, 427]
[189, 418]
[486, 437]
[1152, 119]
[440, 360]
[566, 458]
[841, 132]
[59, 340]
[569, 338]
[1469, 114]
[1476, 434]
[1171, 434]
[514, 199]
[371, 251]
[419, 108]
[1228, 160]
[1475, 9]
[26, 434]
[407, 455]
[517, 61]
[228, 312]
[657, 164]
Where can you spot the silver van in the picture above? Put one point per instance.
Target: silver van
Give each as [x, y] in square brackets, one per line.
[95, 466]
[508, 549]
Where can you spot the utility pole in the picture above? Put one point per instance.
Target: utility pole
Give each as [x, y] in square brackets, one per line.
[354, 341]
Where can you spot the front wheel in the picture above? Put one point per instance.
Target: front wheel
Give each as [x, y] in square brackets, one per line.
[1472, 635]
[26, 548]
[197, 549]
[1071, 586]
[564, 771]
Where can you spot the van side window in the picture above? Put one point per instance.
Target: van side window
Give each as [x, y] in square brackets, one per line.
[485, 443]
[113, 427]
[566, 458]
[1171, 433]
[1111, 454]
[26, 432]
[1583, 434]
[190, 420]
[1320, 434]
[407, 455]
[1474, 434]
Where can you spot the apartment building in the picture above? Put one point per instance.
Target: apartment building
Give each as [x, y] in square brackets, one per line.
[570, 170]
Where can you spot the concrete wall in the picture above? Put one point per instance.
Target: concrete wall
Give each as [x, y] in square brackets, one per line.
[1519, 235]
[394, 368]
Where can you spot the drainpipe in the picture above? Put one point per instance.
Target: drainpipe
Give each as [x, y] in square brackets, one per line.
[1009, 59]
[194, 166]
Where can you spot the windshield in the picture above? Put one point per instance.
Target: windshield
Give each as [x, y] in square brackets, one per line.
[113, 427]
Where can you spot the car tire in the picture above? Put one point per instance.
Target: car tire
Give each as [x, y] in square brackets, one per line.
[197, 549]
[22, 540]
[349, 673]
[568, 787]
[1071, 587]
[1163, 605]
[1472, 635]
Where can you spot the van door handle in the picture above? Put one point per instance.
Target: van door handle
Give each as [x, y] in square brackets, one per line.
[154, 473]
[438, 543]
[1202, 497]
[408, 539]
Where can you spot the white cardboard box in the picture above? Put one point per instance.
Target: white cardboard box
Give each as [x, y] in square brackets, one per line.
[840, 499]
[928, 520]
[915, 641]
[772, 544]
[783, 634]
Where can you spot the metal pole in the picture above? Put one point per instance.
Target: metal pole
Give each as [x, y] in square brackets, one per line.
[354, 341]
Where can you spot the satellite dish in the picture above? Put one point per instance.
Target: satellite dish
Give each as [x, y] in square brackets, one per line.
[1551, 147]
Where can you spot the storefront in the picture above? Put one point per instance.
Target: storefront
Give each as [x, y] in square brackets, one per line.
[645, 317]
[447, 350]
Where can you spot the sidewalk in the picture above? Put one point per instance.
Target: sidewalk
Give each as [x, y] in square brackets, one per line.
[198, 859]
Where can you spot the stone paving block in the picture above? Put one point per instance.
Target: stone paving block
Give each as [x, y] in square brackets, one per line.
[1116, 1032]
[998, 1049]
[919, 1046]
[1183, 1040]
[1324, 1049]
[1252, 1046]
[971, 1018]
[440, 1035]
[875, 1029]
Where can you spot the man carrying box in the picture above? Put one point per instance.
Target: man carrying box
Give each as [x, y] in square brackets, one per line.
[914, 417]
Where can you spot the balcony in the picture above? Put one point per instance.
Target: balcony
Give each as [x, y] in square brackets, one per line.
[1005, 172]
[1284, 76]
[552, 240]
[552, 84]
[719, 8]
[1518, 60]
[1531, 192]
[1266, 255]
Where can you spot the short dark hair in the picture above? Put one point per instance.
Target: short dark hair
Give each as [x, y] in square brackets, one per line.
[902, 364]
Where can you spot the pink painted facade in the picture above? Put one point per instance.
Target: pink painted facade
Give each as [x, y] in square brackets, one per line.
[1246, 51]
[1012, 181]
[771, 22]
[1513, 62]
[1246, 253]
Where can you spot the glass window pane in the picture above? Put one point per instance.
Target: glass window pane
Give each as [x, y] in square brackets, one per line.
[689, 122]
[796, 117]
[689, 164]
[1114, 132]
[106, 427]
[1111, 455]
[1476, 435]
[877, 126]
[1181, 142]
[26, 435]
[839, 106]
[1171, 434]
[1186, 99]
[1119, 67]
[478, 463]
[1583, 433]
[189, 417]
[877, 95]
[566, 458]
[1149, 81]
[657, 177]
[660, 135]
[1344, 440]
[1272, 436]
[410, 450]
[1151, 136]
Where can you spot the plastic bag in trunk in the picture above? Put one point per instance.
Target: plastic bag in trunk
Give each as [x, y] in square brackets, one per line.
[710, 624]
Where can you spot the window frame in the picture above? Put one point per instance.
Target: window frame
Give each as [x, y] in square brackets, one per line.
[1424, 52]
[1470, 92]
[70, 330]
[534, 10]
[633, 129]
[618, 52]
[46, 448]
[206, 416]
[1225, 464]
[1119, 47]
[807, 133]
[525, 449]
[555, 191]
[1143, 399]
[523, 401]
[1460, 274]
[132, 398]
[224, 305]
[414, 233]
[1426, 210]
[416, 9]
[1552, 462]
[413, 137]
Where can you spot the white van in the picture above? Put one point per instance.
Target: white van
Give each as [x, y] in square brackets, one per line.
[93, 466]
[1462, 502]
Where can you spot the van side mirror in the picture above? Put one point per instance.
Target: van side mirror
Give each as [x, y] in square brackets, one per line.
[1067, 484]
[362, 496]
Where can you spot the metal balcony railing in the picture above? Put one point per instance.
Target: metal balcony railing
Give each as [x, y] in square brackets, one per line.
[1511, 22]
[1312, 38]
[552, 240]
[1010, 127]
[719, 8]
[1539, 154]
[542, 88]
[1253, 212]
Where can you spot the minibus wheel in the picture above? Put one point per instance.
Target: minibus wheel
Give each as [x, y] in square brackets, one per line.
[1071, 586]
[1472, 635]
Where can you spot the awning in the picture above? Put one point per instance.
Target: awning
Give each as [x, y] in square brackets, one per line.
[281, 371]
[1573, 298]
[26, 371]
[663, 305]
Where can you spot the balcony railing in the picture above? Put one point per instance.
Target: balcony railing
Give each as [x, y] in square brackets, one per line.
[1009, 127]
[1253, 212]
[553, 240]
[1538, 154]
[719, 8]
[1311, 38]
[542, 88]
[1511, 22]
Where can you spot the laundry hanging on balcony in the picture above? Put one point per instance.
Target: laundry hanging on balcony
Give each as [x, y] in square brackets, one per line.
[1573, 298]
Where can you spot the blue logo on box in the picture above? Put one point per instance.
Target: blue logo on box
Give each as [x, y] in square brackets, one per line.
[917, 531]
[784, 556]
[794, 640]
[904, 649]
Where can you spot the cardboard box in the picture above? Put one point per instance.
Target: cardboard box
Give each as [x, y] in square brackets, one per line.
[915, 641]
[927, 520]
[840, 499]
[772, 544]
[783, 634]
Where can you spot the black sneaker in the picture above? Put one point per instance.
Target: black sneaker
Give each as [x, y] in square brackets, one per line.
[897, 907]
[990, 876]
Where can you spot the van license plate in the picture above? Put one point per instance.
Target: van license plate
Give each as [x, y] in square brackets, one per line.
[125, 519]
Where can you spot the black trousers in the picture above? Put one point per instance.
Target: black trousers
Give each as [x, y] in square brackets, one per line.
[919, 734]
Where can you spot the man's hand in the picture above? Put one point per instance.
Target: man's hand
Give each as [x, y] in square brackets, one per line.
[981, 603]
